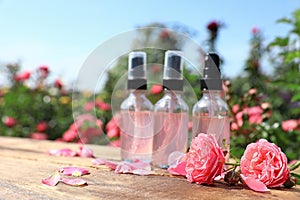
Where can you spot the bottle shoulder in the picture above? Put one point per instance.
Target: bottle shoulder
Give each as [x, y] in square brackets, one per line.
[171, 103]
[216, 105]
[133, 102]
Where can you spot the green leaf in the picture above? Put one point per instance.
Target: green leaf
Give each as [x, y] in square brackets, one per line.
[295, 165]
[291, 56]
[284, 20]
[279, 41]
[296, 98]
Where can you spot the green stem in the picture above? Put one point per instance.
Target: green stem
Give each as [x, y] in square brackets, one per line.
[234, 164]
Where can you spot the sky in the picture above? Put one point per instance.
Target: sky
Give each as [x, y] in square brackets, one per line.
[62, 34]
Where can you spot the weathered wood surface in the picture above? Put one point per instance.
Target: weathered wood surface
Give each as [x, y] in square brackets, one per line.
[24, 163]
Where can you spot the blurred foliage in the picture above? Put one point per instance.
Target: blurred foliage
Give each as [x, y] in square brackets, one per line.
[262, 105]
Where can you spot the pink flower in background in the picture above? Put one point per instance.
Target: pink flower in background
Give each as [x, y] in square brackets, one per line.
[70, 135]
[255, 30]
[155, 68]
[44, 70]
[113, 133]
[289, 125]
[205, 160]
[41, 127]
[235, 108]
[239, 118]
[255, 114]
[89, 106]
[234, 126]
[58, 84]
[264, 162]
[9, 121]
[38, 136]
[23, 76]
[102, 105]
[156, 89]
[252, 91]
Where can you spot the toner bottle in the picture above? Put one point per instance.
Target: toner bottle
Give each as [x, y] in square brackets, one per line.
[170, 113]
[210, 113]
[136, 113]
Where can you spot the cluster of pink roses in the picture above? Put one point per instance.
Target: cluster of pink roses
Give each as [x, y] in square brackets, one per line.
[113, 131]
[42, 72]
[262, 166]
[83, 130]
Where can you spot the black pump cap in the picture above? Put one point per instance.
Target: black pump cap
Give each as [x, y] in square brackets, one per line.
[211, 73]
[175, 63]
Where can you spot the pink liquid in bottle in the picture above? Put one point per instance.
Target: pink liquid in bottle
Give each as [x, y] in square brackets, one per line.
[136, 135]
[217, 126]
[170, 134]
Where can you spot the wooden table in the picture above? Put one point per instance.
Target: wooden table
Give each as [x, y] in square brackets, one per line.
[24, 163]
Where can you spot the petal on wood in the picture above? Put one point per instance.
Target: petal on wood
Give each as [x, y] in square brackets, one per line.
[254, 184]
[52, 180]
[100, 161]
[63, 152]
[179, 169]
[74, 182]
[73, 171]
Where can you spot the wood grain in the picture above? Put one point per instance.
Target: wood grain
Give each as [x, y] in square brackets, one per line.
[24, 163]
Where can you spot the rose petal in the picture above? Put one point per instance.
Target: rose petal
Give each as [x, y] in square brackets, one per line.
[52, 180]
[86, 152]
[73, 171]
[111, 164]
[179, 169]
[254, 184]
[142, 172]
[74, 182]
[138, 167]
[62, 152]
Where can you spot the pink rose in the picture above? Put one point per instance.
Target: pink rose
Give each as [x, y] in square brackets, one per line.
[290, 124]
[255, 115]
[264, 162]
[38, 136]
[235, 108]
[205, 159]
[41, 127]
[9, 121]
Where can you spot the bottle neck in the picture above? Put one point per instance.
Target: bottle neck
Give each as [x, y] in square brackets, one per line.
[175, 93]
[138, 92]
[212, 93]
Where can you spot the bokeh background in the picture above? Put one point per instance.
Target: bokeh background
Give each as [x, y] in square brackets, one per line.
[44, 44]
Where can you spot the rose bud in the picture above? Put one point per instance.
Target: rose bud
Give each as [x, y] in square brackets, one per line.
[290, 182]
[232, 177]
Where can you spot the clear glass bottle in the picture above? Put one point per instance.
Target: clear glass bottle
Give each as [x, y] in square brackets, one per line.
[170, 113]
[210, 113]
[136, 122]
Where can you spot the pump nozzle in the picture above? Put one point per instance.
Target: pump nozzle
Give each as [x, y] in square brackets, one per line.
[172, 78]
[211, 73]
[137, 71]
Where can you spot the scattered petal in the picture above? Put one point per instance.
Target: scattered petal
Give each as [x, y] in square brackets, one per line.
[86, 152]
[63, 152]
[142, 172]
[52, 180]
[73, 171]
[179, 169]
[74, 182]
[111, 164]
[254, 184]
